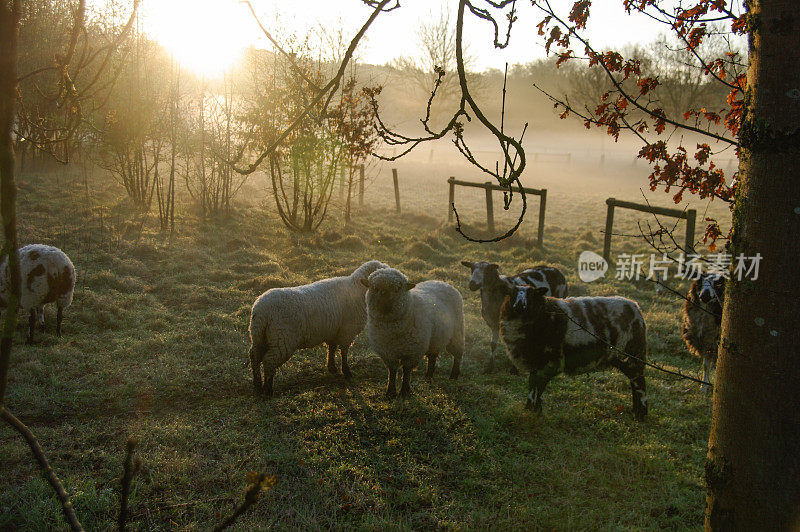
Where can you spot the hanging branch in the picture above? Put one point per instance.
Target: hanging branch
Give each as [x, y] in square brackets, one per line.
[513, 166]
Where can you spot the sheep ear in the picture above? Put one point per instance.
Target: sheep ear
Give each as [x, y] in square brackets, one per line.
[509, 286]
[541, 291]
[365, 282]
[409, 286]
[468, 264]
[493, 267]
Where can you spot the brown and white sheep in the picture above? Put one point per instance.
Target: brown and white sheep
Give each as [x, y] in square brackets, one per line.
[546, 336]
[48, 276]
[487, 278]
[702, 316]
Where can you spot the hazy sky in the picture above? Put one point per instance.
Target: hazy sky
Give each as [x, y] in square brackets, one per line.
[202, 33]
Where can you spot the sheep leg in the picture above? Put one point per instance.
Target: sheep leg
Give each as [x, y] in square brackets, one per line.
[431, 365]
[706, 374]
[332, 359]
[635, 372]
[269, 377]
[405, 388]
[493, 348]
[391, 389]
[59, 318]
[639, 393]
[345, 368]
[537, 381]
[457, 353]
[256, 356]
[40, 314]
[31, 325]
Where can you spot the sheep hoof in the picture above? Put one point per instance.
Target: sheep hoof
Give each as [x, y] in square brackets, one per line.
[454, 375]
[346, 372]
[333, 369]
[391, 395]
[405, 394]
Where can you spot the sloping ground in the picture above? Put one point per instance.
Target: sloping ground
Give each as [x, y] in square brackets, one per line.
[155, 345]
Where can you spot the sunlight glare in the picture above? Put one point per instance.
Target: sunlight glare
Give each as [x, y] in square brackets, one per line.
[205, 36]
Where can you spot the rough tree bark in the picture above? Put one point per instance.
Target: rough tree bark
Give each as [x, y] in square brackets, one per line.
[9, 33]
[753, 463]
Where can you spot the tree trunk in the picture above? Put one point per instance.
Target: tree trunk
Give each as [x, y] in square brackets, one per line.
[753, 463]
[9, 33]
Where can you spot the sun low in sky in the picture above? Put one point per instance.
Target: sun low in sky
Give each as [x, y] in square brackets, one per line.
[205, 36]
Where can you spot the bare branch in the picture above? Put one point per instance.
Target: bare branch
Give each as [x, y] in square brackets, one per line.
[44, 465]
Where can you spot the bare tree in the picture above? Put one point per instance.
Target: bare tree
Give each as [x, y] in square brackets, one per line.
[165, 192]
[134, 132]
[436, 40]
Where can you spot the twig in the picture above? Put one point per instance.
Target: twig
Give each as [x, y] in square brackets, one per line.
[131, 467]
[259, 483]
[44, 465]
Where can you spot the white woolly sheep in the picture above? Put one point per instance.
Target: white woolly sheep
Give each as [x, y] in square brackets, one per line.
[283, 320]
[487, 278]
[702, 317]
[406, 322]
[48, 276]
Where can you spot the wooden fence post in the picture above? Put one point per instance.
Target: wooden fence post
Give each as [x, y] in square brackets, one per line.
[396, 190]
[542, 208]
[451, 198]
[691, 217]
[609, 230]
[489, 208]
[361, 185]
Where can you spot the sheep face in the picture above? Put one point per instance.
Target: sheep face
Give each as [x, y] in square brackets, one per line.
[482, 273]
[385, 289]
[527, 300]
[712, 287]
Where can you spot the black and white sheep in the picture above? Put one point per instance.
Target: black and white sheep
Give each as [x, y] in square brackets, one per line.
[283, 320]
[487, 278]
[48, 276]
[545, 336]
[407, 321]
[702, 316]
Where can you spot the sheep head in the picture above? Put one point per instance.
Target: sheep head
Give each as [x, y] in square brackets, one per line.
[385, 287]
[365, 270]
[523, 299]
[483, 274]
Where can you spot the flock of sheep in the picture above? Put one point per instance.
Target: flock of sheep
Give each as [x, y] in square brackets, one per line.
[545, 332]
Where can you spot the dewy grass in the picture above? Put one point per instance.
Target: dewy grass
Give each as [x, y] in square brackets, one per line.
[155, 346]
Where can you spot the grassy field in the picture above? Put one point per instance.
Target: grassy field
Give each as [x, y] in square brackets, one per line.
[155, 346]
